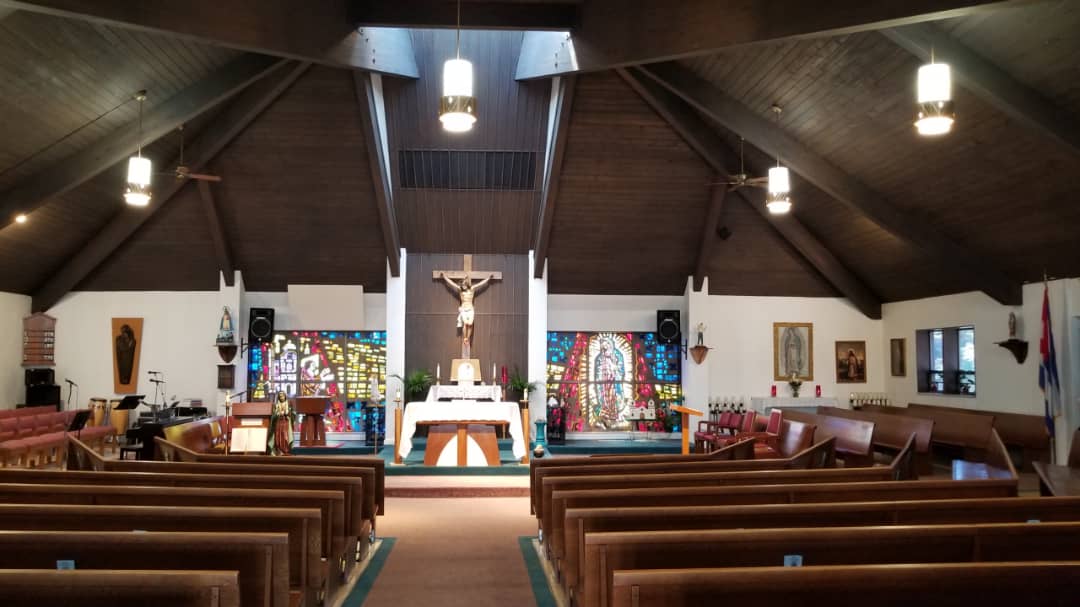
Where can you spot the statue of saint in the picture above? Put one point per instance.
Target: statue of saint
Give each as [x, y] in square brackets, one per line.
[466, 291]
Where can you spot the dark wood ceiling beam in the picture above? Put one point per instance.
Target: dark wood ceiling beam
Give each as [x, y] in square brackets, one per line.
[768, 137]
[223, 129]
[373, 112]
[117, 146]
[319, 32]
[704, 140]
[991, 83]
[475, 14]
[555, 151]
[217, 233]
[614, 33]
[708, 231]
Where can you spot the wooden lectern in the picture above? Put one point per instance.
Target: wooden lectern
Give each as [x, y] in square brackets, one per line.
[251, 428]
[685, 425]
[312, 429]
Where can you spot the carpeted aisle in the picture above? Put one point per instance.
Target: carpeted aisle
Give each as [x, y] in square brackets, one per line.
[454, 551]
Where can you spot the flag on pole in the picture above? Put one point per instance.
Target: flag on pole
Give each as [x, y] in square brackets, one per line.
[1049, 382]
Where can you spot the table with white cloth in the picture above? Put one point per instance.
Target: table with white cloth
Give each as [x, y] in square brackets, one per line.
[461, 411]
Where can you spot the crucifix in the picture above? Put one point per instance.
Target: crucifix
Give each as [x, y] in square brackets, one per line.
[461, 283]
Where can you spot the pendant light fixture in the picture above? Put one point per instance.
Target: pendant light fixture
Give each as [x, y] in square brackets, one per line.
[934, 115]
[137, 193]
[457, 106]
[778, 200]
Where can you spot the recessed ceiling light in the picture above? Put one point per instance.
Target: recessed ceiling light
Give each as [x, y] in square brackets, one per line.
[20, 218]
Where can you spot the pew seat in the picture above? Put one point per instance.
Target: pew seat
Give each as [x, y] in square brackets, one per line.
[1048, 584]
[113, 588]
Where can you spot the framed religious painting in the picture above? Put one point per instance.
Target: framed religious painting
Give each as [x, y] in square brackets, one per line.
[851, 362]
[897, 360]
[793, 351]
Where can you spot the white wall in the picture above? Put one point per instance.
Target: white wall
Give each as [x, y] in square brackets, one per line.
[740, 333]
[13, 308]
[374, 311]
[609, 312]
[179, 329]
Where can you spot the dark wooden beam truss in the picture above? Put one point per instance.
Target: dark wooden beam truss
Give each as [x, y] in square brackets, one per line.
[614, 33]
[768, 137]
[991, 83]
[319, 32]
[115, 147]
[217, 233]
[223, 129]
[558, 131]
[704, 140]
[708, 231]
[372, 109]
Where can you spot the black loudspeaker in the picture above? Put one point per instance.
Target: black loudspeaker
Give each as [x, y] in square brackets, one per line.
[42, 395]
[668, 330]
[39, 377]
[260, 324]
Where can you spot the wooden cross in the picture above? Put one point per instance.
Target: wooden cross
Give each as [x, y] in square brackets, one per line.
[459, 275]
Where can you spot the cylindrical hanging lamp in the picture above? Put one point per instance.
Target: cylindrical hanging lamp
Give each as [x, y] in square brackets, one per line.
[457, 106]
[137, 193]
[935, 114]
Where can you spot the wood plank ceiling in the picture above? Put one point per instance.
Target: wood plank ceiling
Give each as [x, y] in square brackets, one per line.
[298, 205]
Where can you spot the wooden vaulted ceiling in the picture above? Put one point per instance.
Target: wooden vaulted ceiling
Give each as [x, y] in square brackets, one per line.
[629, 205]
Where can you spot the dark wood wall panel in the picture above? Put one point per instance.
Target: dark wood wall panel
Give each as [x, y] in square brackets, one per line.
[512, 117]
[297, 196]
[502, 314]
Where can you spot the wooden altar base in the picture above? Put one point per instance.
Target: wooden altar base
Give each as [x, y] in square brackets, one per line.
[483, 432]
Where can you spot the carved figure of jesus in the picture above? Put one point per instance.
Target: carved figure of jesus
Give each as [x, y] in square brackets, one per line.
[466, 292]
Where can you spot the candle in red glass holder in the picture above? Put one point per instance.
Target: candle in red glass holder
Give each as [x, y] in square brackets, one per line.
[503, 377]
[773, 391]
[817, 390]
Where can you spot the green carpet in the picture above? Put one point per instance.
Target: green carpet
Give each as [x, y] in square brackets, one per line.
[540, 588]
[371, 571]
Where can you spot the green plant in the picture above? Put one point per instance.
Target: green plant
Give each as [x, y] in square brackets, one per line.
[519, 383]
[416, 384]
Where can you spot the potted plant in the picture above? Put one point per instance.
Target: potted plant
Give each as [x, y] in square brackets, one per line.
[519, 386]
[416, 384]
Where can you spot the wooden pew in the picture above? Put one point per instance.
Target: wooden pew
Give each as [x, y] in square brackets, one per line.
[36, 588]
[891, 433]
[607, 552]
[302, 525]
[261, 559]
[1025, 432]
[340, 485]
[933, 585]
[953, 428]
[722, 454]
[329, 503]
[814, 457]
[563, 501]
[998, 464]
[176, 452]
[83, 458]
[581, 521]
[854, 437]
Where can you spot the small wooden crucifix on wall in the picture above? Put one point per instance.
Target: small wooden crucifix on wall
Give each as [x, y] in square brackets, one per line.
[461, 283]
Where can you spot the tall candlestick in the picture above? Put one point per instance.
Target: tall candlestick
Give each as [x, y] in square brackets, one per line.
[438, 372]
[493, 374]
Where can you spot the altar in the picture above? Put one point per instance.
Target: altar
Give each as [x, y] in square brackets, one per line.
[461, 412]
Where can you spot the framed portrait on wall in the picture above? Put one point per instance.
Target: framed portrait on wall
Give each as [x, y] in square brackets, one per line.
[126, 343]
[897, 352]
[851, 362]
[793, 350]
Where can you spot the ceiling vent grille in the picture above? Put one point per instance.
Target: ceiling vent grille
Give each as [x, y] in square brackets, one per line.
[466, 170]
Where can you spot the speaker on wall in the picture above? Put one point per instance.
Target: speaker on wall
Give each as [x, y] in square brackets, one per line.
[260, 324]
[39, 377]
[668, 330]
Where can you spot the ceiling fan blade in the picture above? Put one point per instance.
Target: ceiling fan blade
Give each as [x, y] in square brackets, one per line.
[757, 181]
[202, 177]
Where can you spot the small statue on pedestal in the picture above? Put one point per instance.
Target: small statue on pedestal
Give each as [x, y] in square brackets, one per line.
[281, 426]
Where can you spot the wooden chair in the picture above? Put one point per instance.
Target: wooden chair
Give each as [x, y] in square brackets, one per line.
[768, 444]
[746, 426]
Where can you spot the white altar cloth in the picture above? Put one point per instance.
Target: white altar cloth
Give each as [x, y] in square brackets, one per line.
[464, 392]
[460, 410]
[762, 404]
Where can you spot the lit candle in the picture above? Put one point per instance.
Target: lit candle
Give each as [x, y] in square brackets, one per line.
[398, 395]
[438, 372]
[493, 374]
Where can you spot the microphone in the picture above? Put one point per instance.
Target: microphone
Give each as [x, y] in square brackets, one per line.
[70, 382]
[153, 372]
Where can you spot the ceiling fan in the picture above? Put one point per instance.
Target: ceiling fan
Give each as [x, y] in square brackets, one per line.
[182, 171]
[742, 179]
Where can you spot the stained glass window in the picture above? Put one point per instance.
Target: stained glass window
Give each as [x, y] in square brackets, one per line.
[336, 364]
[611, 381]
